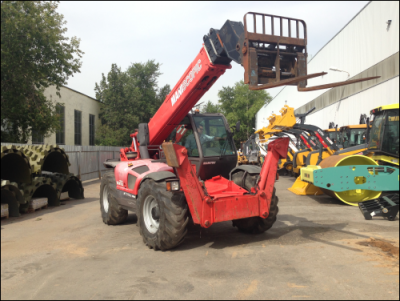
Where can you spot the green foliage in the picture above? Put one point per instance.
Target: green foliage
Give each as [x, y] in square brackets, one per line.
[209, 107]
[128, 98]
[238, 103]
[34, 55]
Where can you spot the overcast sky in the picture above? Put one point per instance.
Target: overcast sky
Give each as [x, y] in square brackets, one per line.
[171, 33]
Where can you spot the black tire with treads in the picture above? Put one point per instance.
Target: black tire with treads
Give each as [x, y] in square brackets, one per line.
[255, 224]
[115, 214]
[173, 216]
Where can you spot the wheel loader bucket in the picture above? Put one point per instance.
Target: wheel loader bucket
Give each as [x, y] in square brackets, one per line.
[303, 188]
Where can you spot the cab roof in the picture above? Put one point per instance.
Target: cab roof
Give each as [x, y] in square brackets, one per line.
[386, 107]
[357, 126]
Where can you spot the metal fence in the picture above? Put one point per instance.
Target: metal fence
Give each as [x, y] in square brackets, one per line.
[87, 161]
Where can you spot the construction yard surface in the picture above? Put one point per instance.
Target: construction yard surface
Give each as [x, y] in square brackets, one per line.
[319, 248]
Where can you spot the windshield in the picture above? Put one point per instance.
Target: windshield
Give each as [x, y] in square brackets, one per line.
[377, 131]
[353, 137]
[249, 147]
[333, 135]
[213, 137]
[385, 132]
[390, 143]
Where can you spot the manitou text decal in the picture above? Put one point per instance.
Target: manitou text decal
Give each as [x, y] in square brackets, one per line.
[186, 82]
[130, 195]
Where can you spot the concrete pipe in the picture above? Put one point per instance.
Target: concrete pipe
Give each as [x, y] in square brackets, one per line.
[11, 195]
[15, 166]
[41, 187]
[74, 187]
[66, 183]
[47, 157]
[350, 197]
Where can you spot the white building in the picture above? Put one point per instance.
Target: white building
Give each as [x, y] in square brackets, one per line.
[79, 118]
[367, 46]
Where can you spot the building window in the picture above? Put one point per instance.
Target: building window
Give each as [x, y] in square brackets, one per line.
[37, 137]
[78, 127]
[91, 129]
[60, 134]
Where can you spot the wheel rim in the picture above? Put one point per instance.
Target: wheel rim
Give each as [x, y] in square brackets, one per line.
[106, 204]
[152, 224]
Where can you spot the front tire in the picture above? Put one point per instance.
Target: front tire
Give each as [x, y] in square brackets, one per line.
[255, 224]
[111, 212]
[162, 216]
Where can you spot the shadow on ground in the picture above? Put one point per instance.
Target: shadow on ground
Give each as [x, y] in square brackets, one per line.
[288, 230]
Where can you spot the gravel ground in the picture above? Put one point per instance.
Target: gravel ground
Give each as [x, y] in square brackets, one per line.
[318, 249]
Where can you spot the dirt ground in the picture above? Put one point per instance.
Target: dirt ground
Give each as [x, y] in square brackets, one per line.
[318, 249]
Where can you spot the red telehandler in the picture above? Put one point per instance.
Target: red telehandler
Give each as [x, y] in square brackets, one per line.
[165, 183]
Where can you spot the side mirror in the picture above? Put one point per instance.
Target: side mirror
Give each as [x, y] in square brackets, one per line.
[238, 126]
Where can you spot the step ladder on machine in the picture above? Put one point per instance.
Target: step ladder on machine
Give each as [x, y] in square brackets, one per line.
[385, 206]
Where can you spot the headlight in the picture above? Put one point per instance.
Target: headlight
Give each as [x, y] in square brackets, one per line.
[173, 186]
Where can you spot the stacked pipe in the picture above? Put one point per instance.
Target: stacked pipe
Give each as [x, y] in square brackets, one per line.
[32, 171]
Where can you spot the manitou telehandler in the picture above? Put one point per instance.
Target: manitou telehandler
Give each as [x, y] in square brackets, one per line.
[165, 182]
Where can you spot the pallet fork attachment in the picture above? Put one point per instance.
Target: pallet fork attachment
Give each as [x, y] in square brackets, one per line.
[271, 57]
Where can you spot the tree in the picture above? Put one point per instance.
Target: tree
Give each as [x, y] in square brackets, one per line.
[211, 108]
[238, 103]
[34, 55]
[128, 98]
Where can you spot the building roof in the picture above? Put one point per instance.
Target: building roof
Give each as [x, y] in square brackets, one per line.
[81, 93]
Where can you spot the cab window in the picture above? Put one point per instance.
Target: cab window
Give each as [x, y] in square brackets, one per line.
[213, 136]
[390, 143]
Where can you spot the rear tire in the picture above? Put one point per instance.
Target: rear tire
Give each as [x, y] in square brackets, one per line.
[111, 212]
[256, 224]
[162, 216]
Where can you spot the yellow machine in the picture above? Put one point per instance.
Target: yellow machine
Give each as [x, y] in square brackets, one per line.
[277, 124]
[250, 152]
[242, 159]
[332, 133]
[384, 137]
[353, 135]
[372, 176]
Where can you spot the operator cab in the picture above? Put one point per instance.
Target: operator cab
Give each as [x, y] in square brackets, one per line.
[385, 131]
[209, 143]
[353, 135]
